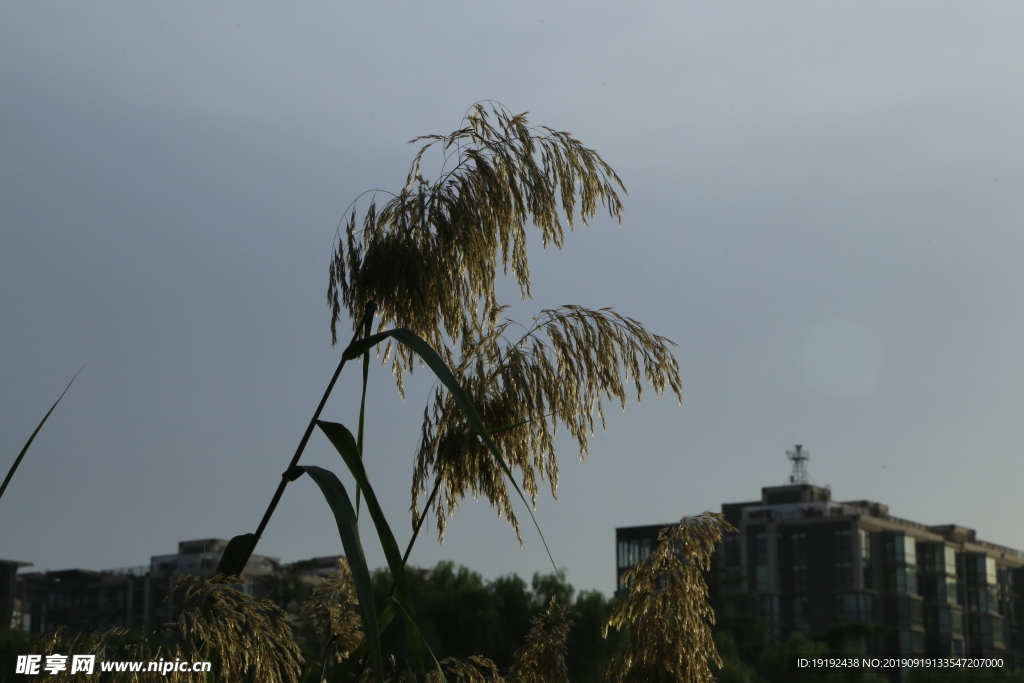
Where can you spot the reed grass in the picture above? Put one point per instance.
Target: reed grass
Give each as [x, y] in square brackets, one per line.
[420, 268]
[24, 450]
[666, 615]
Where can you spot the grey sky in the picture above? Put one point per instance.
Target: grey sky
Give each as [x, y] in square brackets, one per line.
[824, 213]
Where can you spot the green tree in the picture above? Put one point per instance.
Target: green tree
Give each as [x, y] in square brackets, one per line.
[461, 614]
[589, 652]
[733, 669]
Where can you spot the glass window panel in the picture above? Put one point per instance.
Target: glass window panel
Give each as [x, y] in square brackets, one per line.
[798, 547]
[731, 545]
[762, 577]
[916, 614]
[909, 550]
[956, 622]
[844, 575]
[771, 607]
[990, 571]
[898, 580]
[799, 579]
[844, 543]
[760, 547]
[800, 620]
[927, 555]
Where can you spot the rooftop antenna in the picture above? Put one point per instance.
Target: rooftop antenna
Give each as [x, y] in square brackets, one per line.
[799, 458]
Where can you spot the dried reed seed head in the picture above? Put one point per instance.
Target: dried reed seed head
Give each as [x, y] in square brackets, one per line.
[475, 669]
[558, 373]
[333, 609]
[393, 673]
[541, 659]
[426, 260]
[249, 639]
[246, 639]
[115, 644]
[666, 614]
[103, 644]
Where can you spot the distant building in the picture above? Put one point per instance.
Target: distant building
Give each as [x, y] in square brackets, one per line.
[10, 594]
[853, 572]
[136, 597]
[194, 558]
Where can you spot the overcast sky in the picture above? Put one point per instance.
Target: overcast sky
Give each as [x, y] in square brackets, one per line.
[824, 212]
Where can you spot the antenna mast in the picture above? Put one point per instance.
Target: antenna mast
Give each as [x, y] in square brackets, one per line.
[799, 458]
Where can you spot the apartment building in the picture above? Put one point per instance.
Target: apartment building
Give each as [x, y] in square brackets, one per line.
[850, 571]
[140, 597]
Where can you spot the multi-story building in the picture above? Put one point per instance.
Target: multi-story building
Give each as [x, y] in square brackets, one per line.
[10, 594]
[135, 597]
[850, 571]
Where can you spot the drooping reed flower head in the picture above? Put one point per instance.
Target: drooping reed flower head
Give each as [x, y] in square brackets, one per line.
[244, 639]
[557, 372]
[333, 609]
[541, 659]
[250, 639]
[427, 259]
[666, 614]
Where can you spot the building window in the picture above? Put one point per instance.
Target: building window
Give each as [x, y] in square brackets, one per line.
[902, 581]
[987, 631]
[844, 576]
[799, 575]
[916, 614]
[632, 551]
[761, 574]
[771, 607]
[761, 548]
[982, 599]
[798, 547]
[936, 558]
[856, 607]
[731, 549]
[865, 558]
[911, 642]
[944, 621]
[801, 622]
[844, 544]
[951, 593]
[899, 549]
[798, 562]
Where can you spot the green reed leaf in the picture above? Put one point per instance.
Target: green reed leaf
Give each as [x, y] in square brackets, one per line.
[447, 378]
[346, 445]
[236, 555]
[416, 631]
[349, 668]
[345, 517]
[21, 456]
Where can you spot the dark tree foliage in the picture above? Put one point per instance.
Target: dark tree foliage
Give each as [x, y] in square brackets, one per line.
[462, 614]
[589, 652]
[12, 644]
